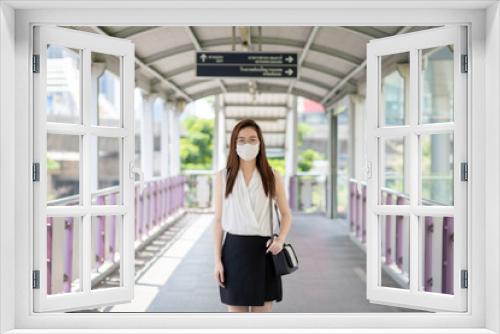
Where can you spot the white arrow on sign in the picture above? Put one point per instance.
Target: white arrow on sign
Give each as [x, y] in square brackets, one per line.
[203, 57]
[289, 59]
[289, 71]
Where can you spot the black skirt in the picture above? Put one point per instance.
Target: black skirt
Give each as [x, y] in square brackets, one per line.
[249, 275]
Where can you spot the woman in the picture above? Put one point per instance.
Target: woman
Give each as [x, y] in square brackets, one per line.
[243, 261]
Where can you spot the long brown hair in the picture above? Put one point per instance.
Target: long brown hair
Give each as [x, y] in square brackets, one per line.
[262, 165]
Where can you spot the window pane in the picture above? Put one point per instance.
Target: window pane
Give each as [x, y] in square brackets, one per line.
[437, 169]
[63, 255]
[436, 257]
[63, 84]
[106, 232]
[393, 104]
[106, 179]
[138, 110]
[392, 178]
[436, 98]
[63, 169]
[394, 251]
[108, 68]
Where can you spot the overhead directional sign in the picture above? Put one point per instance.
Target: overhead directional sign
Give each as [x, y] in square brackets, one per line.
[246, 64]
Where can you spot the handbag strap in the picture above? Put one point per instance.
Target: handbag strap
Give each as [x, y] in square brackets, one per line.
[271, 214]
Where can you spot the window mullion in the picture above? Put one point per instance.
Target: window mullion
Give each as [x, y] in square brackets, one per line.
[413, 169]
[85, 175]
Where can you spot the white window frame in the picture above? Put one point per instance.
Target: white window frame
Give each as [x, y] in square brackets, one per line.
[485, 101]
[86, 42]
[410, 132]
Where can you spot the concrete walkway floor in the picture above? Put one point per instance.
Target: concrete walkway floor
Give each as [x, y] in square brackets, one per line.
[331, 276]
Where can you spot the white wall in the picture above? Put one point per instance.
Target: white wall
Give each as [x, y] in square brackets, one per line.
[7, 174]
[492, 212]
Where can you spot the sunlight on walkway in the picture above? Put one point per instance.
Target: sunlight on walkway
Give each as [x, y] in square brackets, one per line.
[157, 273]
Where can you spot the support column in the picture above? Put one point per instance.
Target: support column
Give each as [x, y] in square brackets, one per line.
[147, 136]
[165, 169]
[219, 153]
[175, 158]
[359, 137]
[331, 206]
[291, 153]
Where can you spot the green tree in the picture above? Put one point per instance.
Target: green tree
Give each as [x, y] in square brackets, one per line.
[278, 164]
[307, 159]
[302, 130]
[196, 145]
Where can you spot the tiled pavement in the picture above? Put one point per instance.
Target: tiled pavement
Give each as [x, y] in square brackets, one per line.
[331, 277]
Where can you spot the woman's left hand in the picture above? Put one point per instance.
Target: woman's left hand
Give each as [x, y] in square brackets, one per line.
[275, 247]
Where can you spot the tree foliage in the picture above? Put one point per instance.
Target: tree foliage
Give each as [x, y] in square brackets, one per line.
[196, 144]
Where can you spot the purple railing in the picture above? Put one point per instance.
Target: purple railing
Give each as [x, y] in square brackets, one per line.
[159, 200]
[308, 187]
[357, 224]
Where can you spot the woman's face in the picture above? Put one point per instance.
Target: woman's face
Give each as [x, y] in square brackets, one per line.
[247, 144]
[247, 135]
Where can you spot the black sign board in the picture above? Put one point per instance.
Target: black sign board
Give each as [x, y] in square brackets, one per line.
[246, 64]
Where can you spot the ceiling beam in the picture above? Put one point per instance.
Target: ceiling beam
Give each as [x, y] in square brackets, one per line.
[303, 56]
[218, 42]
[367, 32]
[305, 65]
[351, 74]
[264, 87]
[198, 47]
[326, 70]
[151, 70]
[134, 32]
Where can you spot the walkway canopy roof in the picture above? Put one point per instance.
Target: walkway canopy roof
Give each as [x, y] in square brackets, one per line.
[331, 61]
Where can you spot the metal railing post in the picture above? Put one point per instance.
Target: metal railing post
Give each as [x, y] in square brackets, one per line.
[388, 233]
[447, 276]
[68, 258]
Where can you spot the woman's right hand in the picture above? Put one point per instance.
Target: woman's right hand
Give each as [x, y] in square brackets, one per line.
[219, 273]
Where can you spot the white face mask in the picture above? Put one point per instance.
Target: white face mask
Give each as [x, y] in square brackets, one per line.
[247, 151]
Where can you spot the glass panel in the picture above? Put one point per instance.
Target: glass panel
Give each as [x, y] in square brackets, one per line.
[436, 99]
[437, 169]
[106, 247]
[63, 84]
[63, 169]
[138, 101]
[392, 171]
[436, 257]
[106, 180]
[108, 69]
[63, 255]
[394, 252]
[393, 99]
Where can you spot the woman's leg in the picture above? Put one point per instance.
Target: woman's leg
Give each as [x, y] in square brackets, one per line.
[237, 308]
[267, 307]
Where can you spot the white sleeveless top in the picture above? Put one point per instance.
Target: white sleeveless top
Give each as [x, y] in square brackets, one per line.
[246, 210]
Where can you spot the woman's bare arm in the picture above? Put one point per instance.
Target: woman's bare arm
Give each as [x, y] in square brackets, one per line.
[218, 233]
[284, 209]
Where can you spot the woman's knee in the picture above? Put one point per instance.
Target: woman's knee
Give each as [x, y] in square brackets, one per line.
[238, 308]
[267, 307]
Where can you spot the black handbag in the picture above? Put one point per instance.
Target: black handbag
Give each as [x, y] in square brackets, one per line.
[286, 261]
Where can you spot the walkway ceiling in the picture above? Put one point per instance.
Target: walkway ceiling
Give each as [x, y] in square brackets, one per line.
[331, 63]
